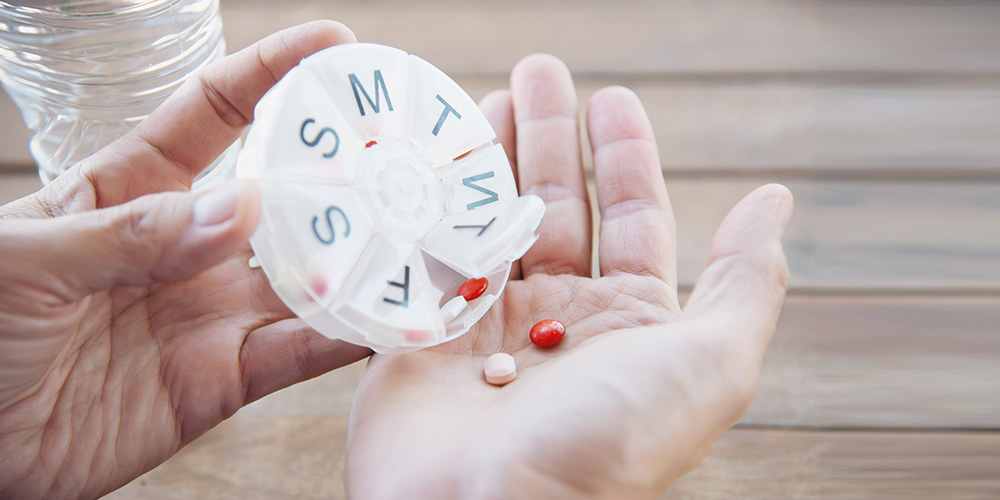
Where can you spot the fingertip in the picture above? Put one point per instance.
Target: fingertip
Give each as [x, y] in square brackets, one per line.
[498, 108]
[540, 62]
[615, 113]
[248, 214]
[329, 31]
[776, 197]
[751, 233]
[496, 99]
[771, 191]
[226, 203]
[542, 87]
[747, 275]
[785, 207]
[222, 220]
[614, 96]
[283, 50]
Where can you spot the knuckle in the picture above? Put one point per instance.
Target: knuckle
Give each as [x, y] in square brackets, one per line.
[137, 232]
[142, 230]
[227, 111]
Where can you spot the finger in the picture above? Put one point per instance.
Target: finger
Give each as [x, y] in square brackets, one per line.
[499, 110]
[260, 297]
[287, 352]
[548, 161]
[203, 117]
[744, 284]
[637, 224]
[157, 238]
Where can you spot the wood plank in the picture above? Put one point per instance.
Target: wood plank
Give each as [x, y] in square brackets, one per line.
[844, 236]
[17, 183]
[882, 361]
[846, 130]
[253, 457]
[919, 361]
[864, 130]
[328, 395]
[913, 360]
[14, 141]
[736, 125]
[775, 464]
[850, 235]
[857, 131]
[835, 361]
[660, 37]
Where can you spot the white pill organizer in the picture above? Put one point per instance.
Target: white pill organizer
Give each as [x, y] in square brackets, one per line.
[382, 192]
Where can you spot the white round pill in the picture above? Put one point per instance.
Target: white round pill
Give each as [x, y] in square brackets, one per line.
[500, 369]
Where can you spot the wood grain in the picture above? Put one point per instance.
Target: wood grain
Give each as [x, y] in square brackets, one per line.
[844, 236]
[777, 464]
[649, 37]
[14, 139]
[882, 118]
[835, 362]
[840, 360]
[861, 131]
[250, 458]
[17, 183]
[853, 235]
[758, 84]
[776, 127]
[804, 128]
[257, 457]
[882, 362]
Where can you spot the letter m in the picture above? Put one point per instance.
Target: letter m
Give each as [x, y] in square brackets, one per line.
[379, 84]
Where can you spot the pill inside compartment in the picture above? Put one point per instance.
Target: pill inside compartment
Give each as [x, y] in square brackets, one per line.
[382, 193]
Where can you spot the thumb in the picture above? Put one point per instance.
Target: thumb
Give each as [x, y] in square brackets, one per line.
[744, 284]
[155, 238]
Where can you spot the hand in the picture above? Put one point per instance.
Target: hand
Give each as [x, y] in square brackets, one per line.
[639, 388]
[130, 322]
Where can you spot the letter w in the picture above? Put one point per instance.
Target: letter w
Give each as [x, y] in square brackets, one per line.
[492, 195]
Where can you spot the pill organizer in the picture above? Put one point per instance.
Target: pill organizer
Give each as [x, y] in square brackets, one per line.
[382, 193]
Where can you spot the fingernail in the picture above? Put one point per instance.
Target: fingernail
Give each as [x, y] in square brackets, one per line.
[217, 205]
[784, 214]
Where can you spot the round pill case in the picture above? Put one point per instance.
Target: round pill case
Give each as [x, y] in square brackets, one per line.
[382, 193]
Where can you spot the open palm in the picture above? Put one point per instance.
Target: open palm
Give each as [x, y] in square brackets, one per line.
[130, 323]
[639, 388]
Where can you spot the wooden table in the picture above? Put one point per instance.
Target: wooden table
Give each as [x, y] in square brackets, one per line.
[883, 117]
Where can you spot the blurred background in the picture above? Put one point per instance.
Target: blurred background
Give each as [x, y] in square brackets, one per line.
[882, 116]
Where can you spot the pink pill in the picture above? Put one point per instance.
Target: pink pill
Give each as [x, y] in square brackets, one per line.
[500, 369]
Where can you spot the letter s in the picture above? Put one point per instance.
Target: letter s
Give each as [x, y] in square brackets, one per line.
[319, 137]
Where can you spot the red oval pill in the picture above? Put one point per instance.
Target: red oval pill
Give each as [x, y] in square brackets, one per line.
[547, 333]
[472, 289]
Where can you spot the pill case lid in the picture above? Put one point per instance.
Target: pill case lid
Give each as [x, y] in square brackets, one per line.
[382, 192]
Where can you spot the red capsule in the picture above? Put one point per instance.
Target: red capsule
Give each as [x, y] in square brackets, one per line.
[547, 333]
[370, 144]
[472, 289]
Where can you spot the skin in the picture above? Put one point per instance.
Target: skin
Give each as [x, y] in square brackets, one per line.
[638, 389]
[128, 328]
[130, 323]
